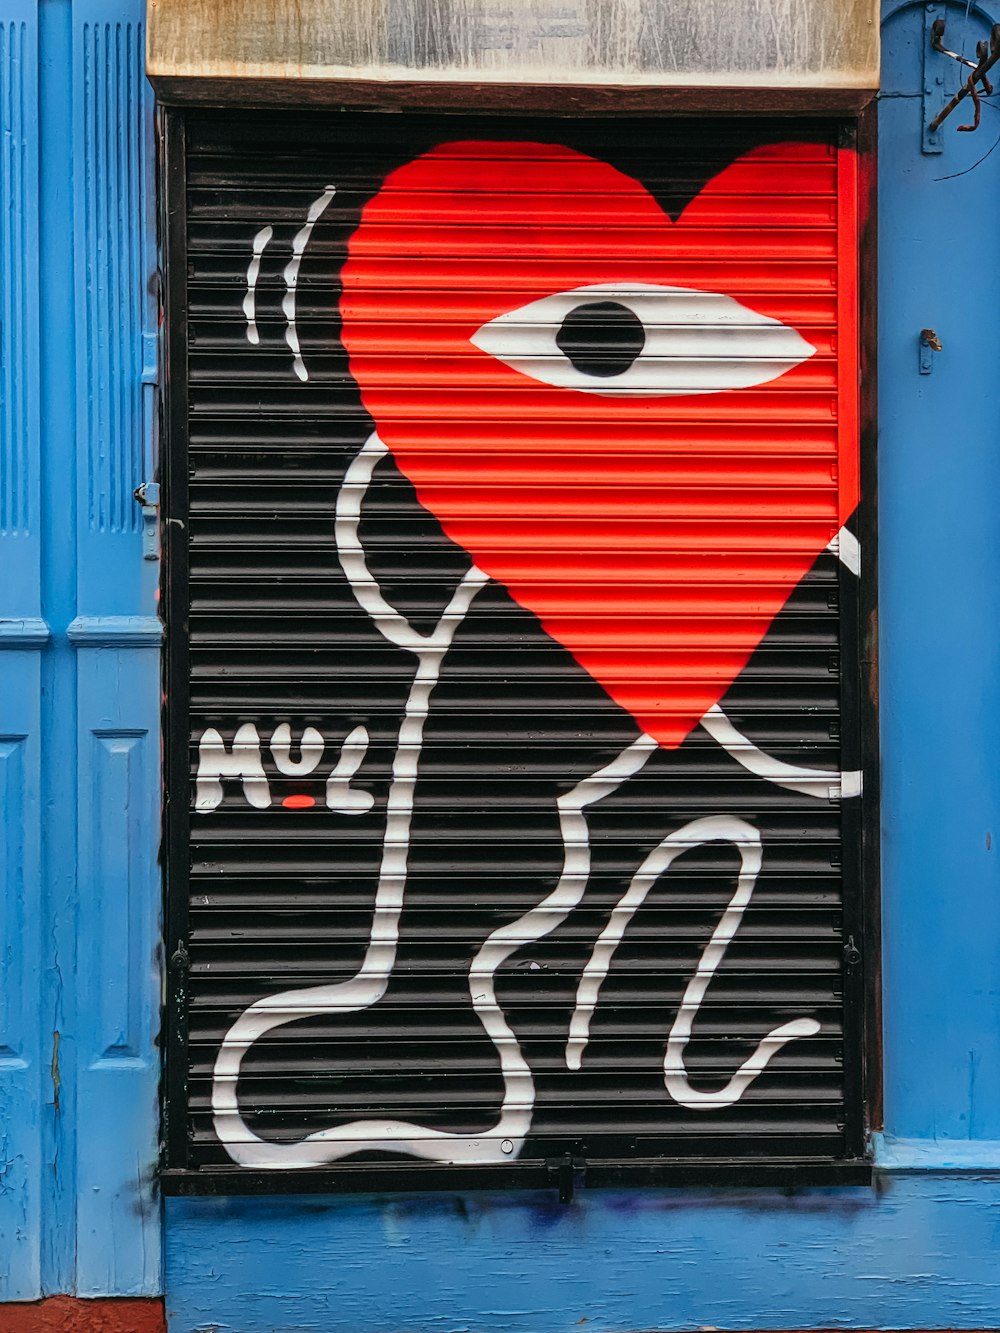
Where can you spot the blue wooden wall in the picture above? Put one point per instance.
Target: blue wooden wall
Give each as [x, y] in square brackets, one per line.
[79, 674]
[78, 785]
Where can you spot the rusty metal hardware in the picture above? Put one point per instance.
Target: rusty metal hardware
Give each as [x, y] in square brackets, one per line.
[937, 32]
[929, 343]
[987, 55]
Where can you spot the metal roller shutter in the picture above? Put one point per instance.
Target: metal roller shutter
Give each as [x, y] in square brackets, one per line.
[511, 580]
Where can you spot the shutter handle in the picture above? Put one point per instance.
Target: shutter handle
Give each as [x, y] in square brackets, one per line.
[147, 494]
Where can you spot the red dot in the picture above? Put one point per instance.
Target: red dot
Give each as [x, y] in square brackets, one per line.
[298, 802]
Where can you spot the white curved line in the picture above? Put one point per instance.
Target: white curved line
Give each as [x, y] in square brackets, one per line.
[260, 242]
[316, 210]
[809, 781]
[721, 828]
[391, 624]
[368, 985]
[846, 547]
[340, 795]
[714, 828]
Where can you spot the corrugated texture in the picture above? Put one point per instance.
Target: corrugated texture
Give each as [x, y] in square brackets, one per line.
[475, 899]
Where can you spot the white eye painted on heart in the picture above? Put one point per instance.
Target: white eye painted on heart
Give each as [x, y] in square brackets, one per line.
[638, 339]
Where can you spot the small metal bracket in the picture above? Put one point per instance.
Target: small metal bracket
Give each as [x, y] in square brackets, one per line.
[564, 1173]
[934, 69]
[148, 496]
[929, 344]
[150, 359]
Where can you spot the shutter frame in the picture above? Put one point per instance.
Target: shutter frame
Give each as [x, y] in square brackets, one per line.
[184, 1174]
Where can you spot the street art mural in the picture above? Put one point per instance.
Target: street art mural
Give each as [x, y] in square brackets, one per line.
[523, 760]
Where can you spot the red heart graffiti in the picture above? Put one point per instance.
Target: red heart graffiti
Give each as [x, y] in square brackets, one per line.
[656, 512]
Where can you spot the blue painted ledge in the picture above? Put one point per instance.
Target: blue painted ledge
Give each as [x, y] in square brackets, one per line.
[30, 632]
[915, 1251]
[942, 1155]
[115, 631]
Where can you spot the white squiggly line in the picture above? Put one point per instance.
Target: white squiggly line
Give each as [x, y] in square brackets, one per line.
[316, 210]
[809, 781]
[260, 242]
[504, 1140]
[713, 828]
[369, 984]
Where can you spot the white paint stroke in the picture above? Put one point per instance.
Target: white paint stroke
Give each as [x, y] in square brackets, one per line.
[809, 781]
[846, 547]
[260, 242]
[368, 985]
[391, 624]
[719, 828]
[243, 761]
[714, 828]
[316, 210]
[340, 795]
[311, 749]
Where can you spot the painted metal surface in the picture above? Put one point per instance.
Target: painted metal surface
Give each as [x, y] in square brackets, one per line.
[812, 43]
[472, 552]
[78, 1069]
[920, 1251]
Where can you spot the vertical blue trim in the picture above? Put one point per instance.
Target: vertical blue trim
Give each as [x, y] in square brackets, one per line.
[58, 448]
[940, 611]
[21, 1051]
[114, 633]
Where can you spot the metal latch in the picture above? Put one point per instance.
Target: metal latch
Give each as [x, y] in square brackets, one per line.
[929, 344]
[148, 495]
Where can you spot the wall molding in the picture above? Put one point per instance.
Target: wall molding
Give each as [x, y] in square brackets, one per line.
[115, 631]
[936, 1155]
[24, 632]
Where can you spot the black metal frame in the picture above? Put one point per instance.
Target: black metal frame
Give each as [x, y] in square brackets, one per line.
[174, 591]
[862, 1010]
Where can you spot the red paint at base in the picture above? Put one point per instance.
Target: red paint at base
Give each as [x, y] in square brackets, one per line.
[68, 1314]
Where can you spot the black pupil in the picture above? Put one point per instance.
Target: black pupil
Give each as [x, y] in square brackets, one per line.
[601, 338]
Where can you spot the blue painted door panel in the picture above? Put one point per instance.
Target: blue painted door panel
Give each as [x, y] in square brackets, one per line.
[79, 697]
[939, 476]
